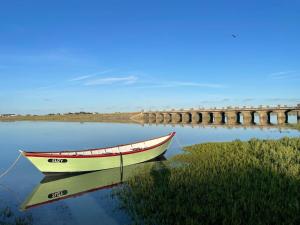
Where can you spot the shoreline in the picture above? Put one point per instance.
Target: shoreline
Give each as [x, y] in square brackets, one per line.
[103, 117]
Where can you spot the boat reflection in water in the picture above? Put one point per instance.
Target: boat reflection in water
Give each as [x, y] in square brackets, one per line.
[55, 188]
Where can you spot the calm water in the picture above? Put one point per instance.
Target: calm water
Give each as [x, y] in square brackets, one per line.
[96, 206]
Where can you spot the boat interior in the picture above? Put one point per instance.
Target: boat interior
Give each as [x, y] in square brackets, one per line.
[113, 150]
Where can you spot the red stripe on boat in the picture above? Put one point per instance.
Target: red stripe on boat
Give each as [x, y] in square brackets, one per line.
[45, 155]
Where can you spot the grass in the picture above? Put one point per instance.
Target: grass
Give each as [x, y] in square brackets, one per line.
[253, 182]
[296, 126]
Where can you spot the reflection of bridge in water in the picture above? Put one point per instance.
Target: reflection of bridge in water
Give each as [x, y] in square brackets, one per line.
[227, 126]
[229, 116]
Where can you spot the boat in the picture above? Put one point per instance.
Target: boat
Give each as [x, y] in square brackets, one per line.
[99, 158]
[55, 188]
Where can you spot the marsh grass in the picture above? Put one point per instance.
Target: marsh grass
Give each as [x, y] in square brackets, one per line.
[295, 126]
[253, 182]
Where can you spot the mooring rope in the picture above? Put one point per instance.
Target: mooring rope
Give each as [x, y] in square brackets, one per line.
[11, 167]
[121, 167]
[121, 164]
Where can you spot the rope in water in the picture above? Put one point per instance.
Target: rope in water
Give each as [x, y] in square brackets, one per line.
[11, 167]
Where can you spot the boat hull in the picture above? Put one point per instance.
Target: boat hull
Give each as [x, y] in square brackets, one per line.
[53, 188]
[82, 164]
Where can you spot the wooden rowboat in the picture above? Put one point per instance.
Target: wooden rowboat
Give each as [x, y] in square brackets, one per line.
[99, 158]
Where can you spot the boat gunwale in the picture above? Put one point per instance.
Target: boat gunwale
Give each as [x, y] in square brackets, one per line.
[48, 154]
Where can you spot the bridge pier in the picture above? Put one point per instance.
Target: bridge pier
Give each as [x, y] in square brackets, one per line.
[186, 117]
[231, 117]
[159, 117]
[264, 117]
[206, 118]
[176, 117]
[218, 117]
[145, 117]
[282, 117]
[167, 117]
[248, 117]
[196, 117]
[152, 118]
[298, 117]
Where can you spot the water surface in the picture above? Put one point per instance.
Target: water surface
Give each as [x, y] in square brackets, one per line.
[97, 205]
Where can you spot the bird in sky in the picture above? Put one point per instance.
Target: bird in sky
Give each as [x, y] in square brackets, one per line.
[234, 35]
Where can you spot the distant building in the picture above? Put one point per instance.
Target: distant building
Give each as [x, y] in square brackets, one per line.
[8, 115]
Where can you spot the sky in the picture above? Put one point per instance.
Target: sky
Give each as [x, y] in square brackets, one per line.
[114, 56]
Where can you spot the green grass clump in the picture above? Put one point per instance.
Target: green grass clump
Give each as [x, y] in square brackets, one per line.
[253, 182]
[295, 126]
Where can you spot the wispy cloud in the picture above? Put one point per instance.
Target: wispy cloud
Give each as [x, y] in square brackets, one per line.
[125, 80]
[174, 84]
[195, 84]
[81, 78]
[94, 79]
[283, 75]
[84, 77]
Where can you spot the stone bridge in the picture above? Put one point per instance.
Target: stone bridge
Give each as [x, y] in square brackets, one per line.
[230, 115]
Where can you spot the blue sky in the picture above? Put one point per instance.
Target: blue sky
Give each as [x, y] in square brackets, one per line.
[106, 56]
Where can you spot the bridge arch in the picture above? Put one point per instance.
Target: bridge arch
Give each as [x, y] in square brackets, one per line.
[239, 117]
[222, 117]
[211, 118]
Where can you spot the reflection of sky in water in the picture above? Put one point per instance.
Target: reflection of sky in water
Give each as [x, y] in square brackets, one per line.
[95, 206]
